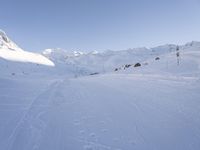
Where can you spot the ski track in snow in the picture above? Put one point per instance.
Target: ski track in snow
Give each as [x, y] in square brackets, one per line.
[90, 124]
[23, 119]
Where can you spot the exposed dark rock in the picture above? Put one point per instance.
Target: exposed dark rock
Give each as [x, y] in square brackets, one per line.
[95, 73]
[137, 65]
[127, 65]
[157, 58]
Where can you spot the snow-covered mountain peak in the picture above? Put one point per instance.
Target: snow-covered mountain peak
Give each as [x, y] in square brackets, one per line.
[78, 53]
[94, 52]
[5, 42]
[47, 51]
[60, 51]
[193, 43]
[10, 51]
[60, 55]
[4, 37]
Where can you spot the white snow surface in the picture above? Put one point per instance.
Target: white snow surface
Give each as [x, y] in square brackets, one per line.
[152, 107]
[10, 51]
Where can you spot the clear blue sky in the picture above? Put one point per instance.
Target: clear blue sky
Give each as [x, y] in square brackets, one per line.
[99, 24]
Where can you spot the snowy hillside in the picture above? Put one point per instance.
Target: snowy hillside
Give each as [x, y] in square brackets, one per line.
[10, 51]
[136, 99]
[161, 58]
[187, 64]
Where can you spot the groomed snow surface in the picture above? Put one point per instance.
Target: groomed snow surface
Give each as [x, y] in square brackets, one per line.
[152, 107]
[105, 112]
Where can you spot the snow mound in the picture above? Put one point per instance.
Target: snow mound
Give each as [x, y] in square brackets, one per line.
[10, 51]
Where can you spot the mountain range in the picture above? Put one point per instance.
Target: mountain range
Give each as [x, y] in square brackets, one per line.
[135, 99]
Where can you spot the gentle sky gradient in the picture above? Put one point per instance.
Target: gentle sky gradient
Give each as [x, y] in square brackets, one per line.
[99, 24]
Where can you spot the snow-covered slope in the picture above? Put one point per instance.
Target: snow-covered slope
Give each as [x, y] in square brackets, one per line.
[10, 51]
[102, 62]
[187, 64]
[108, 61]
[103, 112]
[154, 106]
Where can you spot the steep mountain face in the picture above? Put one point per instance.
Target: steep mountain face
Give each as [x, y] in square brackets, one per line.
[6, 43]
[10, 51]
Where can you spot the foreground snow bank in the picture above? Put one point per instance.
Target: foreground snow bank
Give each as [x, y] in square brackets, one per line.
[103, 112]
[23, 56]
